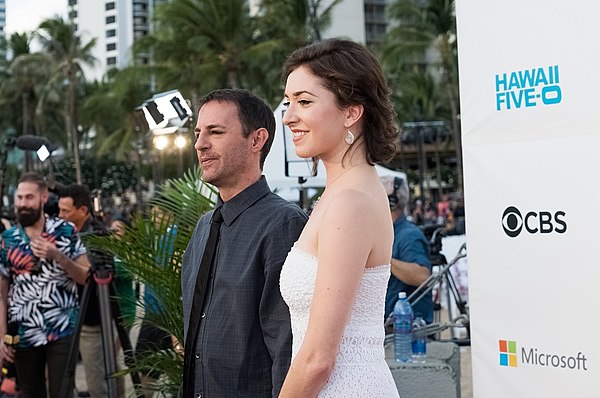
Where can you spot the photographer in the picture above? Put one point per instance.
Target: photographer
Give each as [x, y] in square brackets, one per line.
[74, 205]
[410, 252]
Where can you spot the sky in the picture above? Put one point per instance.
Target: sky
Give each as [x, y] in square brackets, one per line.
[26, 15]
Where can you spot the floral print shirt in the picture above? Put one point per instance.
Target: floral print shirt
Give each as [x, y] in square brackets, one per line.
[42, 298]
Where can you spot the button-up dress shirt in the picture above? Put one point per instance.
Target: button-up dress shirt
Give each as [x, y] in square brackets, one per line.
[243, 347]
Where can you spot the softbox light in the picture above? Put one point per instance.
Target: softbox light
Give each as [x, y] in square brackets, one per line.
[167, 111]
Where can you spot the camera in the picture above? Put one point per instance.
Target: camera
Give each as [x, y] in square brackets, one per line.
[434, 234]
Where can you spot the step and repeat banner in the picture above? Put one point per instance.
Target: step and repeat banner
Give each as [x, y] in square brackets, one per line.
[530, 111]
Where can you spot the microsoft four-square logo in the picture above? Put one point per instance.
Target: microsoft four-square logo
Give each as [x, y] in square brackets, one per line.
[508, 353]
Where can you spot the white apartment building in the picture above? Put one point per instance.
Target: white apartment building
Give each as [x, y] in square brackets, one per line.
[2, 23]
[116, 24]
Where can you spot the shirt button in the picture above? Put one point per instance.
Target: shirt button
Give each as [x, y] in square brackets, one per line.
[197, 356]
[198, 395]
[203, 315]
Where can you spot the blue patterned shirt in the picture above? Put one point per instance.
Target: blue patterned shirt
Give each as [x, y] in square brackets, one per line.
[42, 297]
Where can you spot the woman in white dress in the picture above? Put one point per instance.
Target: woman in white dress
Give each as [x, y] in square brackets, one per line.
[335, 277]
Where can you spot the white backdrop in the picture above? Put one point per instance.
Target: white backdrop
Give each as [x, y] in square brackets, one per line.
[529, 110]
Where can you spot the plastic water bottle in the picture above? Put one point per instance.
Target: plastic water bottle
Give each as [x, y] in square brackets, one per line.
[403, 320]
[419, 343]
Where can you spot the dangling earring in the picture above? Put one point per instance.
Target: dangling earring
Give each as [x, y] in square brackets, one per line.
[349, 138]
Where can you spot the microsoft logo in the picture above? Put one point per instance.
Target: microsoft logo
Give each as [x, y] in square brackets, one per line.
[533, 356]
[508, 353]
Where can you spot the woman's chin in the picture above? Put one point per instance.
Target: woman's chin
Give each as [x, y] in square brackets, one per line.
[303, 154]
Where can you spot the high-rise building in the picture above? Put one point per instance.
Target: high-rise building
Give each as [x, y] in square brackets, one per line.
[376, 22]
[115, 24]
[363, 21]
[2, 25]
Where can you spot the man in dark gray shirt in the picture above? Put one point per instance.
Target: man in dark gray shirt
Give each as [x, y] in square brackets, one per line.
[243, 342]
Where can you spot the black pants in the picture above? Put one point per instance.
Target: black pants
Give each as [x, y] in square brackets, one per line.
[151, 339]
[30, 364]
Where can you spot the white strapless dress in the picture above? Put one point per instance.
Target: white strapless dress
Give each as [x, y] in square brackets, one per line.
[360, 368]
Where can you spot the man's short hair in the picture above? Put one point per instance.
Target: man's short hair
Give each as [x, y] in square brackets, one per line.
[397, 190]
[79, 193]
[34, 178]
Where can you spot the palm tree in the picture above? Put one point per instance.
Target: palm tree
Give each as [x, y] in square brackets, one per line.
[220, 32]
[109, 110]
[22, 79]
[19, 43]
[285, 25]
[319, 18]
[68, 54]
[158, 265]
[27, 72]
[422, 25]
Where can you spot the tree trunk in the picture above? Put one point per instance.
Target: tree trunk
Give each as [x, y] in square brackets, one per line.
[25, 125]
[445, 53]
[71, 125]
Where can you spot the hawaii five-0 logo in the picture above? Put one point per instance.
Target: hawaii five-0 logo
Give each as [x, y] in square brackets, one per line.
[528, 88]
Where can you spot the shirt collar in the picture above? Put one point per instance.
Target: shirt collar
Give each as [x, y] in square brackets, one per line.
[235, 206]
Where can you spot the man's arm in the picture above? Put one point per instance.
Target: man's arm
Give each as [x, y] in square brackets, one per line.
[77, 268]
[6, 353]
[412, 274]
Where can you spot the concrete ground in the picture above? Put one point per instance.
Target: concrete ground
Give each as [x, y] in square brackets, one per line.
[466, 379]
[466, 386]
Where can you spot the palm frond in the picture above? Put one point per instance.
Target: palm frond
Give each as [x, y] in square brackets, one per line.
[151, 251]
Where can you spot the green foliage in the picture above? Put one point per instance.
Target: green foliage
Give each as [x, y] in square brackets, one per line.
[422, 41]
[105, 173]
[109, 110]
[152, 252]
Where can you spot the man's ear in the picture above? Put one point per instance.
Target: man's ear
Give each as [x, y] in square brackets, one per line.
[259, 138]
[353, 115]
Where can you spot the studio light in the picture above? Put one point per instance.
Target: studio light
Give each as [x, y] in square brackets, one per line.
[180, 142]
[166, 112]
[161, 142]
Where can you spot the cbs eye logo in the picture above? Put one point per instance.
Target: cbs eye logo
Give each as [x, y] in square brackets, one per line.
[542, 222]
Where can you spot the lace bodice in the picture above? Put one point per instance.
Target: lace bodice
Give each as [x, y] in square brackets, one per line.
[360, 369]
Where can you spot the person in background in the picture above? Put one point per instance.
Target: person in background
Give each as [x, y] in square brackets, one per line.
[123, 282]
[75, 206]
[42, 259]
[410, 252]
[242, 344]
[123, 288]
[4, 224]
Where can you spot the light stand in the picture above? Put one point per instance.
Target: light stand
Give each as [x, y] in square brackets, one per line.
[296, 166]
[164, 113]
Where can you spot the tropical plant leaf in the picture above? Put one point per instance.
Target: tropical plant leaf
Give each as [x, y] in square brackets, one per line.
[151, 251]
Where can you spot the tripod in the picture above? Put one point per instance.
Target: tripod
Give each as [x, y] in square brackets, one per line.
[444, 279]
[101, 278]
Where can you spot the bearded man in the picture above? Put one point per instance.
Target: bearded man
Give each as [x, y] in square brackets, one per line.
[42, 259]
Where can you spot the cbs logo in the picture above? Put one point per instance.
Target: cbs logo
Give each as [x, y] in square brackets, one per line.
[543, 222]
